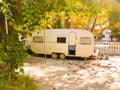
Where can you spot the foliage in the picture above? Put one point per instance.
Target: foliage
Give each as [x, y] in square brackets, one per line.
[85, 14]
[5, 10]
[12, 50]
[37, 14]
[24, 16]
[28, 15]
[114, 19]
[12, 56]
[19, 83]
[114, 16]
[88, 16]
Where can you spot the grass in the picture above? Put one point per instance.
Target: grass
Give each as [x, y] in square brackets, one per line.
[21, 83]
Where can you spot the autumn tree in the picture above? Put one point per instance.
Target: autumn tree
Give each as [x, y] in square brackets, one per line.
[114, 20]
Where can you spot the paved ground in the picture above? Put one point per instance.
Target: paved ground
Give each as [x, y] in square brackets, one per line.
[74, 74]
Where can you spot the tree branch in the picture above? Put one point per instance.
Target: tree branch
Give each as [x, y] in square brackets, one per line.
[94, 24]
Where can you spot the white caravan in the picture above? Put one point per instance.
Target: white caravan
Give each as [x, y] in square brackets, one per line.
[63, 42]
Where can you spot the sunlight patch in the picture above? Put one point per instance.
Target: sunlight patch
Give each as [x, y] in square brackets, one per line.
[33, 71]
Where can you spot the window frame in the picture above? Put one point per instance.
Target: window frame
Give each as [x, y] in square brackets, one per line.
[85, 43]
[38, 41]
[59, 40]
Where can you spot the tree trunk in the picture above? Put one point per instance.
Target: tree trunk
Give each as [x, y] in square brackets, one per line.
[89, 23]
[6, 25]
[67, 23]
[2, 22]
[94, 24]
[104, 27]
[103, 30]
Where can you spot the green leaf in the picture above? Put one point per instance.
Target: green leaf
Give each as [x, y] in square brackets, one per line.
[21, 70]
[1, 62]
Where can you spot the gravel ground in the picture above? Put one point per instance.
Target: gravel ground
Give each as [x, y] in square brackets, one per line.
[74, 74]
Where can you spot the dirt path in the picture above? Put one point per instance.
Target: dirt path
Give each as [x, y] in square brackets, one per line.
[71, 74]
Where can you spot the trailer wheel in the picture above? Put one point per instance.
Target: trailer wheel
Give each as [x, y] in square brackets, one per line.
[62, 56]
[54, 55]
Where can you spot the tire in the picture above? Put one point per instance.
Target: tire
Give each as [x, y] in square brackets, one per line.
[54, 55]
[62, 56]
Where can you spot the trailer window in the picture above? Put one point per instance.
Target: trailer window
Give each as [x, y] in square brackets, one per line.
[61, 39]
[85, 40]
[38, 39]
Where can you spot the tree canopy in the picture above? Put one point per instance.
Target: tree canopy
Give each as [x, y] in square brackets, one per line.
[24, 16]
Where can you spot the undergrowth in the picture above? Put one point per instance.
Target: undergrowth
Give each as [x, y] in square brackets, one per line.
[19, 83]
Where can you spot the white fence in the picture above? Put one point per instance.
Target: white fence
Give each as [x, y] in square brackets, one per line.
[108, 48]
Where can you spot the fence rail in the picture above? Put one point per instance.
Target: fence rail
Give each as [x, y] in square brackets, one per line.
[108, 48]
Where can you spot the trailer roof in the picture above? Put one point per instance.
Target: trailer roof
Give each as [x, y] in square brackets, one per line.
[80, 32]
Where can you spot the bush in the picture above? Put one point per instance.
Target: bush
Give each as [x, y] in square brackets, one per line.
[19, 83]
[12, 54]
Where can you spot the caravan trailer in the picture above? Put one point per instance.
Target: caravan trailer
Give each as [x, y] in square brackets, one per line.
[60, 43]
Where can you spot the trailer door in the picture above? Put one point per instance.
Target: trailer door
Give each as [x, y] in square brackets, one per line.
[72, 43]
